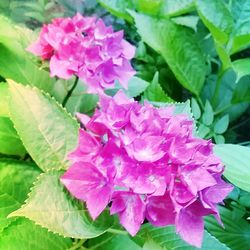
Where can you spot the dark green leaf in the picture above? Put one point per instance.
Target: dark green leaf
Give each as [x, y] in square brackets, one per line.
[118, 7]
[167, 238]
[113, 241]
[178, 47]
[236, 159]
[23, 234]
[47, 131]
[155, 93]
[242, 90]
[10, 143]
[236, 234]
[16, 179]
[50, 206]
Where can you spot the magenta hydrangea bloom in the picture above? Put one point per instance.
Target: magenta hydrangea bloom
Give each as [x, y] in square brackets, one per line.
[147, 163]
[87, 48]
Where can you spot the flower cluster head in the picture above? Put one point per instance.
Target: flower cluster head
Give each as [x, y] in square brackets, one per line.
[85, 47]
[147, 164]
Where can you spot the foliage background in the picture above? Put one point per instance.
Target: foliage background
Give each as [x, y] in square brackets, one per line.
[186, 50]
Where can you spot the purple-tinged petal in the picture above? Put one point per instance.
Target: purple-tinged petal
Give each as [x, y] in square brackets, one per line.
[132, 216]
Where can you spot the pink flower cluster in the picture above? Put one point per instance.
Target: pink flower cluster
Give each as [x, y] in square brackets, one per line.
[147, 164]
[85, 47]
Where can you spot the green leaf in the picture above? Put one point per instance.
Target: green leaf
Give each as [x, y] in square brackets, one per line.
[222, 124]
[203, 131]
[150, 244]
[242, 90]
[10, 143]
[208, 115]
[241, 13]
[236, 159]
[23, 234]
[114, 242]
[218, 19]
[50, 206]
[16, 179]
[219, 139]
[236, 234]
[47, 131]
[167, 238]
[195, 109]
[178, 47]
[188, 21]
[4, 108]
[177, 7]
[242, 67]
[118, 7]
[136, 86]
[15, 64]
[148, 6]
[154, 91]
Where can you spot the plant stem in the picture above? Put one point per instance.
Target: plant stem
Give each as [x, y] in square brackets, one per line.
[223, 109]
[70, 92]
[77, 245]
[117, 231]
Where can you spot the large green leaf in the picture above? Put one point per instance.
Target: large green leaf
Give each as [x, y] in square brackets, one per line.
[176, 7]
[114, 242]
[236, 159]
[16, 179]
[241, 13]
[47, 131]
[50, 206]
[178, 46]
[236, 234]
[217, 18]
[167, 238]
[10, 143]
[16, 64]
[118, 7]
[23, 234]
[242, 67]
[242, 90]
[4, 108]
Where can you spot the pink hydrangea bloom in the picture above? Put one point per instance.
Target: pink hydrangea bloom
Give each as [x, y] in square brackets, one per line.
[85, 47]
[147, 163]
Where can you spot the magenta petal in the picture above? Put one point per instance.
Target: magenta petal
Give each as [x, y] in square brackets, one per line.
[190, 227]
[86, 183]
[160, 210]
[98, 200]
[132, 216]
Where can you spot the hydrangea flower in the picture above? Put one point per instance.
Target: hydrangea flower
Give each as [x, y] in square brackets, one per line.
[147, 163]
[85, 47]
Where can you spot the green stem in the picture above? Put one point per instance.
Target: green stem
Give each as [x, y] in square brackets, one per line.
[200, 101]
[116, 231]
[70, 92]
[223, 109]
[77, 245]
